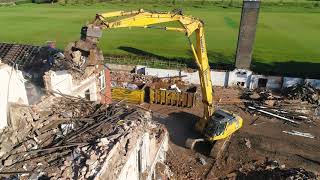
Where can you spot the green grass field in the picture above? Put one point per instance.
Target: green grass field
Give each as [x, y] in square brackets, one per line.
[287, 41]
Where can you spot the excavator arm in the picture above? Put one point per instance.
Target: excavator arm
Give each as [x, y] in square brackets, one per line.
[143, 19]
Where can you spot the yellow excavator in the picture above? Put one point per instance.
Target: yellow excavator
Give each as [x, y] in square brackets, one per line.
[214, 125]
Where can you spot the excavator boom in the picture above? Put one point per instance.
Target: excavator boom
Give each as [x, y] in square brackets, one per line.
[144, 19]
[215, 125]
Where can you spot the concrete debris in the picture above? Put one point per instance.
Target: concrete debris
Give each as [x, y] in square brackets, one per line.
[272, 165]
[273, 115]
[260, 95]
[272, 105]
[273, 170]
[126, 85]
[71, 142]
[202, 160]
[175, 88]
[177, 84]
[303, 92]
[297, 133]
[248, 143]
[121, 76]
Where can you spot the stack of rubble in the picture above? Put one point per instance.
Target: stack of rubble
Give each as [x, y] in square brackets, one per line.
[126, 85]
[272, 105]
[303, 92]
[262, 97]
[77, 71]
[272, 170]
[69, 140]
[120, 76]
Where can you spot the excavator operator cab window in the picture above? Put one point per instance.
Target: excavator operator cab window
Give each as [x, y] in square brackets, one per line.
[215, 128]
[216, 116]
[218, 123]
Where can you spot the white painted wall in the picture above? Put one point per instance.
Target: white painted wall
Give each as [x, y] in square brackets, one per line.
[289, 81]
[230, 78]
[254, 81]
[130, 169]
[192, 77]
[140, 69]
[314, 83]
[161, 72]
[12, 90]
[88, 84]
[219, 78]
[273, 82]
[61, 81]
[238, 76]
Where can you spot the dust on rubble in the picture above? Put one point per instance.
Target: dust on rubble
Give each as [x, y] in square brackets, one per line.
[186, 164]
[71, 132]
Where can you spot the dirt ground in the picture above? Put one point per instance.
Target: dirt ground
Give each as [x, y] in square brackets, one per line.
[259, 140]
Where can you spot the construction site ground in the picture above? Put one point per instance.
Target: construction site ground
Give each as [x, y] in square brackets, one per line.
[260, 140]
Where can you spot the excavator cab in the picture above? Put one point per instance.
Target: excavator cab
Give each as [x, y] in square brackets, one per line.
[218, 130]
[221, 125]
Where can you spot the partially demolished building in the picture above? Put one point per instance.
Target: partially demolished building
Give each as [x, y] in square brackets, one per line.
[60, 123]
[27, 76]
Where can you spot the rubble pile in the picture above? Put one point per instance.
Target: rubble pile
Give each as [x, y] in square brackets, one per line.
[303, 92]
[121, 76]
[272, 170]
[78, 72]
[276, 106]
[262, 97]
[70, 141]
[126, 85]
[159, 82]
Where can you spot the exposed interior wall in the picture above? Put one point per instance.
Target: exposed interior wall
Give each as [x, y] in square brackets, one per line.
[137, 162]
[135, 158]
[87, 89]
[12, 91]
[142, 161]
[269, 82]
[62, 81]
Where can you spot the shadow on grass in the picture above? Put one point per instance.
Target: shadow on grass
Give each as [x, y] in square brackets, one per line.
[217, 60]
[292, 68]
